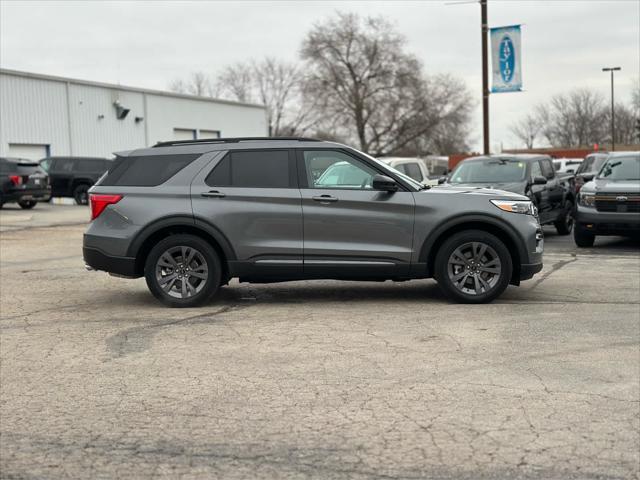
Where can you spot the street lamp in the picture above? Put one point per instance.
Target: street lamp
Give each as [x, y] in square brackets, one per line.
[613, 121]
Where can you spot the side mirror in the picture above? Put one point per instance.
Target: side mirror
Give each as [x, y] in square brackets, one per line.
[538, 180]
[441, 180]
[587, 177]
[384, 183]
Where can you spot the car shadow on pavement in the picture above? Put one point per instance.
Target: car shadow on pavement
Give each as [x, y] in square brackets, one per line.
[322, 291]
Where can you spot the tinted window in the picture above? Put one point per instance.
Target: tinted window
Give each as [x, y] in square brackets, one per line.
[45, 164]
[254, 169]
[536, 171]
[413, 170]
[547, 168]
[592, 163]
[4, 166]
[64, 164]
[329, 169]
[147, 171]
[91, 165]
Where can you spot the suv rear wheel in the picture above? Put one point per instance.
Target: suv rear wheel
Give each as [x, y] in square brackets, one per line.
[27, 204]
[473, 266]
[183, 271]
[81, 195]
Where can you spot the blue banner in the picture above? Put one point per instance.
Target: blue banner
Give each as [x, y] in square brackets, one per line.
[506, 60]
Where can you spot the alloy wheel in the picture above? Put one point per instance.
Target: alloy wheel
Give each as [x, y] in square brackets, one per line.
[474, 268]
[181, 272]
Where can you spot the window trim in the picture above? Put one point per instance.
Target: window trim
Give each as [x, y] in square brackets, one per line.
[302, 170]
[293, 167]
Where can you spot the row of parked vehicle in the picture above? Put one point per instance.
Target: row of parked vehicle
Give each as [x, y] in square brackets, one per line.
[602, 197]
[27, 182]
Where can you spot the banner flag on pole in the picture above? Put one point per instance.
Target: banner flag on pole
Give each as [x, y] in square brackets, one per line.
[506, 61]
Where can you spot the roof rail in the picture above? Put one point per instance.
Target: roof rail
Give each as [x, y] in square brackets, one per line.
[231, 140]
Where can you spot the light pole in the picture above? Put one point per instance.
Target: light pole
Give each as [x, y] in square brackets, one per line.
[484, 28]
[613, 120]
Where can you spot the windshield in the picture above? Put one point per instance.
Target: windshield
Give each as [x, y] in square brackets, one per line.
[489, 170]
[621, 168]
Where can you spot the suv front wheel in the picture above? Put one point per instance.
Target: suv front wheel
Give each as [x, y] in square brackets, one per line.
[473, 266]
[183, 271]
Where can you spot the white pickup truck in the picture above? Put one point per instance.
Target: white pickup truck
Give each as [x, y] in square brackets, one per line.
[411, 166]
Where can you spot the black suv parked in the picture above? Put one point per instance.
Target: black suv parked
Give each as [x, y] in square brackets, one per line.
[73, 176]
[23, 181]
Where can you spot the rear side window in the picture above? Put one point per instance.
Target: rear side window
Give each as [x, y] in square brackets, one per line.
[547, 168]
[147, 171]
[92, 165]
[64, 164]
[253, 169]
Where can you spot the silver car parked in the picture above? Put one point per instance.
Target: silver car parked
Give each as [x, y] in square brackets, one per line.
[189, 216]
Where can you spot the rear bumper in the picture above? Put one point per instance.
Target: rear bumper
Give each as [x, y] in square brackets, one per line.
[39, 195]
[98, 260]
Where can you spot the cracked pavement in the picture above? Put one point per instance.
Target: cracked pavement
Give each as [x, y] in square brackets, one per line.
[315, 380]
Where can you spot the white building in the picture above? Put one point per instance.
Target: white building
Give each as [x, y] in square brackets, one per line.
[42, 115]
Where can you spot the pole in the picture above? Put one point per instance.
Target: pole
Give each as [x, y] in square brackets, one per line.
[613, 118]
[485, 76]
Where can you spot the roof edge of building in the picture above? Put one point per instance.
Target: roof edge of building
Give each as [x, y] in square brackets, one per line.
[112, 86]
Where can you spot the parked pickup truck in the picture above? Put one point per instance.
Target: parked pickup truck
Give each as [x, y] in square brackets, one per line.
[530, 175]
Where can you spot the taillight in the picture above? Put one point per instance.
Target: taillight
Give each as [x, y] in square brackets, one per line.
[100, 201]
[15, 179]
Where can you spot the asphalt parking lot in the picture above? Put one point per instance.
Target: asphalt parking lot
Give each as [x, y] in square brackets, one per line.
[315, 380]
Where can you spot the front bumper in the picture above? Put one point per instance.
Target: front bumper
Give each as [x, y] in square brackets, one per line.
[607, 223]
[528, 270]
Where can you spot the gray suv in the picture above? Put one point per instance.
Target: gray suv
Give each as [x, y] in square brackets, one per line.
[189, 216]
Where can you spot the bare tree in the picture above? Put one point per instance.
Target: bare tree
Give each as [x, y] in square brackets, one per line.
[625, 125]
[527, 129]
[198, 83]
[574, 119]
[373, 92]
[277, 85]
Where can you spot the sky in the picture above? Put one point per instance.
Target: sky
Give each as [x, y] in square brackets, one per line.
[565, 44]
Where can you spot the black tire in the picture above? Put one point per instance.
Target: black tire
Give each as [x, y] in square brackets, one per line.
[80, 194]
[565, 224]
[203, 288]
[27, 204]
[445, 271]
[583, 239]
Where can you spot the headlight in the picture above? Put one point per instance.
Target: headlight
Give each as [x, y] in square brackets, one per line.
[587, 199]
[522, 206]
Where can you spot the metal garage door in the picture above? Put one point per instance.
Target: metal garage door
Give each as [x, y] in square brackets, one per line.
[183, 134]
[28, 150]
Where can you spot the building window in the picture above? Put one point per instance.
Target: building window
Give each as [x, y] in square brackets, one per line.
[208, 134]
[184, 134]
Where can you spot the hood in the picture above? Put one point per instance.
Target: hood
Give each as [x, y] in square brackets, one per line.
[475, 189]
[515, 187]
[602, 185]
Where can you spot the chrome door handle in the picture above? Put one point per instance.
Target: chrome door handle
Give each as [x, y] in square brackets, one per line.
[212, 194]
[324, 198]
